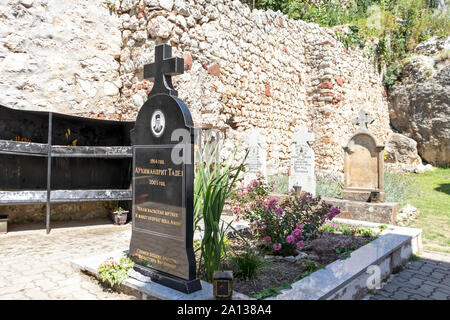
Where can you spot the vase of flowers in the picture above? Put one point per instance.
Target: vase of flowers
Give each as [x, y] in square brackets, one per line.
[119, 216]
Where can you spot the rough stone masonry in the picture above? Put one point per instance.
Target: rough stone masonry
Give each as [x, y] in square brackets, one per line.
[244, 69]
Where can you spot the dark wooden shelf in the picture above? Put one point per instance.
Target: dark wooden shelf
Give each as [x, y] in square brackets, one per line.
[41, 149]
[40, 196]
[92, 152]
[24, 148]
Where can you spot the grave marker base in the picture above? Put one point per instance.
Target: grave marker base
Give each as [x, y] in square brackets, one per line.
[179, 284]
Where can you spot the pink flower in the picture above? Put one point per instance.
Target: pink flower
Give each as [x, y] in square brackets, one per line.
[279, 211]
[248, 206]
[299, 225]
[250, 186]
[276, 246]
[272, 203]
[297, 233]
[300, 244]
[333, 213]
[267, 239]
[290, 239]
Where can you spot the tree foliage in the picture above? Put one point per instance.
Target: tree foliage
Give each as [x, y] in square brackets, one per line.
[395, 26]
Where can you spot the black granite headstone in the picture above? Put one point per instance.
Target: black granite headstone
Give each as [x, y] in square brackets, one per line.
[163, 181]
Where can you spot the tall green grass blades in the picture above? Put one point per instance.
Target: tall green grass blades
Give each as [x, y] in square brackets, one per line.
[214, 185]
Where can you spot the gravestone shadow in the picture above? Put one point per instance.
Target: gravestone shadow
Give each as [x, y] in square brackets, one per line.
[443, 187]
[38, 226]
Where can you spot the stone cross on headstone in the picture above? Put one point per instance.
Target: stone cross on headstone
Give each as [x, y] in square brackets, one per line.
[302, 162]
[363, 120]
[163, 69]
[302, 136]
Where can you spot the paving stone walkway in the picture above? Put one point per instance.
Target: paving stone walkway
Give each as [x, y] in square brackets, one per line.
[427, 278]
[34, 265]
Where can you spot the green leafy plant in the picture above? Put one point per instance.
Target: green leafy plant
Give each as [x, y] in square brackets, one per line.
[247, 264]
[269, 292]
[344, 248]
[366, 232]
[392, 73]
[382, 228]
[348, 229]
[329, 189]
[214, 184]
[114, 273]
[309, 267]
[352, 38]
[414, 257]
[119, 211]
[398, 187]
[110, 4]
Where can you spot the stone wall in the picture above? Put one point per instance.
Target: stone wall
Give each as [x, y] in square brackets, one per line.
[248, 69]
[59, 56]
[244, 69]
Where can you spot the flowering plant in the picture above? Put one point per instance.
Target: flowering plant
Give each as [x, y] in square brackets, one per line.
[282, 226]
[311, 211]
[113, 272]
[344, 248]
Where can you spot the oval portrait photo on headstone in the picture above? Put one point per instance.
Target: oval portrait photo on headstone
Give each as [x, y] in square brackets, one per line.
[158, 123]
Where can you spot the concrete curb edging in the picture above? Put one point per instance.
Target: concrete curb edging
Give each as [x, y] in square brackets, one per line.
[340, 280]
[347, 279]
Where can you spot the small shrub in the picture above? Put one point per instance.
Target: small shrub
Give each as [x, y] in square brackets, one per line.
[329, 188]
[382, 228]
[112, 272]
[247, 264]
[392, 73]
[281, 225]
[414, 257]
[344, 248]
[398, 187]
[309, 267]
[269, 292]
[351, 38]
[348, 229]
[331, 227]
[310, 212]
[365, 232]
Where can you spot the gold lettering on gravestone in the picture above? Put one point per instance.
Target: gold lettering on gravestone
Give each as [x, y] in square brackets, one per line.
[158, 259]
[156, 178]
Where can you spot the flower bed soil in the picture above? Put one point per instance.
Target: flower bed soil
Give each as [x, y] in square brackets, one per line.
[277, 271]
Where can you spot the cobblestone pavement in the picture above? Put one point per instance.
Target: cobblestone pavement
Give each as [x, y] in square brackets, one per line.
[427, 278]
[34, 265]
